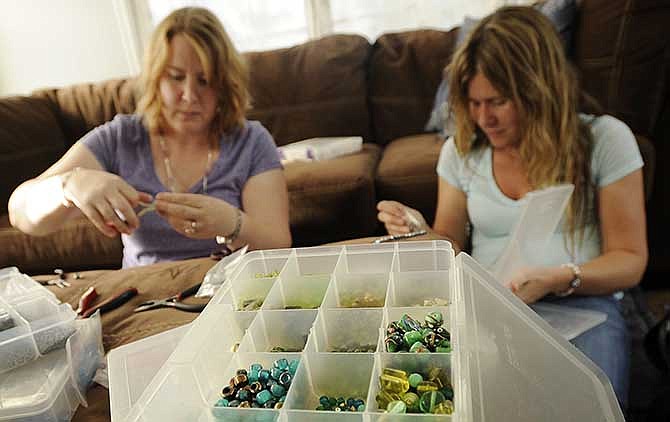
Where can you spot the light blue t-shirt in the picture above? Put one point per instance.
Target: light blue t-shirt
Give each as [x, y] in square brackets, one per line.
[492, 214]
[122, 147]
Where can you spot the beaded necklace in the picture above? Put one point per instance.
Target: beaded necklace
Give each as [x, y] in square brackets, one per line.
[171, 180]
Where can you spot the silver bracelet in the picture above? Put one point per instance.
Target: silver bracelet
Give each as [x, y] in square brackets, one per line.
[230, 238]
[576, 281]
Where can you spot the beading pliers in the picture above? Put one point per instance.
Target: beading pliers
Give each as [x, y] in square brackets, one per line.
[174, 302]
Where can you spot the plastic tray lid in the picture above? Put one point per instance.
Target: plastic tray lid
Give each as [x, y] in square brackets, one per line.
[514, 366]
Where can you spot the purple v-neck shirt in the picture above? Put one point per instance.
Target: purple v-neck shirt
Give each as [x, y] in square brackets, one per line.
[122, 147]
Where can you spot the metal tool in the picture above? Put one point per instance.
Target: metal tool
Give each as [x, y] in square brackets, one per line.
[174, 302]
[111, 303]
[392, 237]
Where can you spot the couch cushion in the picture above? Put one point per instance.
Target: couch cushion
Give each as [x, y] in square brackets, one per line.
[619, 50]
[333, 199]
[77, 245]
[314, 89]
[30, 141]
[405, 70]
[407, 173]
[82, 107]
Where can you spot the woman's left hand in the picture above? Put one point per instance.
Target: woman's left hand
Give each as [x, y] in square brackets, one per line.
[531, 284]
[194, 215]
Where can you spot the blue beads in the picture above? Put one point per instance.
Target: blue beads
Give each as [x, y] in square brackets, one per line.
[277, 390]
[340, 404]
[263, 375]
[263, 397]
[281, 364]
[259, 387]
[293, 366]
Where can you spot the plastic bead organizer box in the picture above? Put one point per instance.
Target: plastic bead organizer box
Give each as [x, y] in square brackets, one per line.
[505, 363]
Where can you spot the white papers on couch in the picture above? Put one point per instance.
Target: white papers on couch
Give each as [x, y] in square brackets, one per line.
[315, 149]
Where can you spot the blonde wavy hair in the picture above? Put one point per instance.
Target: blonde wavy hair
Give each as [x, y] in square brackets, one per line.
[518, 50]
[224, 68]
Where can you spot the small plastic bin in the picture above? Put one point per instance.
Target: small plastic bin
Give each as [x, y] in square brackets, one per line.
[357, 291]
[278, 331]
[50, 388]
[326, 374]
[40, 326]
[297, 292]
[418, 288]
[346, 331]
[424, 364]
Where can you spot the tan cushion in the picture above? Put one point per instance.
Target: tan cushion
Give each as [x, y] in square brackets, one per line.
[405, 71]
[30, 141]
[407, 173]
[76, 246]
[333, 199]
[619, 50]
[314, 89]
[82, 107]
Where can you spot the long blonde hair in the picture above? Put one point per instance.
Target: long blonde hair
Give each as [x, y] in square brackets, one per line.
[223, 65]
[518, 50]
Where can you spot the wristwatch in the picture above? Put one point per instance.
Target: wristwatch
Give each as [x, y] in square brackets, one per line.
[230, 238]
[576, 281]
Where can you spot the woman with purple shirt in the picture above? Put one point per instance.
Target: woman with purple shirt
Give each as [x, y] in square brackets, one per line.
[188, 154]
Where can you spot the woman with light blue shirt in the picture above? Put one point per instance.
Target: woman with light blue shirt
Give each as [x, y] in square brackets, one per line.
[515, 101]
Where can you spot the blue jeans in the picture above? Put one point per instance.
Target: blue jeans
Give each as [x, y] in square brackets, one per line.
[608, 345]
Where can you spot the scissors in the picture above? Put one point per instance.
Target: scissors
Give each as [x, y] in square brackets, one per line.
[174, 302]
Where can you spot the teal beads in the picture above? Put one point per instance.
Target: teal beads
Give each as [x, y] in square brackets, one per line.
[293, 366]
[259, 387]
[263, 397]
[340, 404]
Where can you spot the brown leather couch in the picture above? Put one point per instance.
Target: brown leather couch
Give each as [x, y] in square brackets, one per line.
[343, 85]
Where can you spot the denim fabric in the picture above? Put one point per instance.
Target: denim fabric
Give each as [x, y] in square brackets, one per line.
[608, 345]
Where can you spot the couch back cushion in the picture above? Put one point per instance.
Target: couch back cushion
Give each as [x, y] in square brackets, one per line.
[405, 71]
[30, 141]
[314, 89]
[621, 49]
[82, 107]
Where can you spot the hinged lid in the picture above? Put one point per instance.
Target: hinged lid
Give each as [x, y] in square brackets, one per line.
[513, 365]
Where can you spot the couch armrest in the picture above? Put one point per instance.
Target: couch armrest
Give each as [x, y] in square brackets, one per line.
[78, 245]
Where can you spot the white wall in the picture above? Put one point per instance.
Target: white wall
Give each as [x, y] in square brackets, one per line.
[58, 42]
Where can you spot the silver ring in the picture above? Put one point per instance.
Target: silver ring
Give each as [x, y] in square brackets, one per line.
[191, 228]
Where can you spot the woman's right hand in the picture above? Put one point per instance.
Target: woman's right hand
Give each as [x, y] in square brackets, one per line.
[105, 199]
[399, 218]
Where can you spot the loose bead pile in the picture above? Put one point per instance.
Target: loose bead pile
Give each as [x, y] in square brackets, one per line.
[367, 300]
[259, 387]
[340, 404]
[415, 393]
[409, 335]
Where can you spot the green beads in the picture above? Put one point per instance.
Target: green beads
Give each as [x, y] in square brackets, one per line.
[340, 404]
[430, 400]
[414, 379]
[428, 392]
[410, 335]
[396, 406]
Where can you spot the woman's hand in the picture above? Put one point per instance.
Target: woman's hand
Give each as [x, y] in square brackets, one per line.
[106, 199]
[194, 215]
[533, 283]
[399, 218]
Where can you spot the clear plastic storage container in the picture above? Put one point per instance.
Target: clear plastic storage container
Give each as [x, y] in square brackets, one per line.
[506, 363]
[32, 321]
[49, 389]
